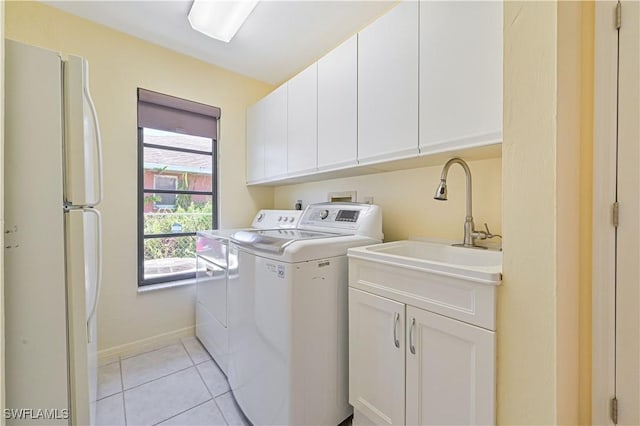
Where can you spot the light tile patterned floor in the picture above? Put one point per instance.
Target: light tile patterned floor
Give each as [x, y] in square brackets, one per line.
[178, 384]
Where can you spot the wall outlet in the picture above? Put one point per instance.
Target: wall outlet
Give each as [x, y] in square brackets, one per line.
[368, 199]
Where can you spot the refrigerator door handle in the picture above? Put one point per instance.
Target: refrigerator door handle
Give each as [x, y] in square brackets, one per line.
[98, 281]
[96, 127]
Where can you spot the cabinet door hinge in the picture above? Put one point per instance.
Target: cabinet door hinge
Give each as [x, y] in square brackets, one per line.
[614, 410]
[618, 15]
[615, 214]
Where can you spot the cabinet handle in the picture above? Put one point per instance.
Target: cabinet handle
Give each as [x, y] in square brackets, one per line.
[396, 320]
[412, 348]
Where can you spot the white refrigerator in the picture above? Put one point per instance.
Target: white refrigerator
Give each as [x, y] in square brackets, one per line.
[53, 183]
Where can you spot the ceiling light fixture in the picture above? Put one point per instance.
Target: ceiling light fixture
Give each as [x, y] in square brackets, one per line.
[220, 19]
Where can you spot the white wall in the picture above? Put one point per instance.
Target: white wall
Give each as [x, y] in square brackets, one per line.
[119, 64]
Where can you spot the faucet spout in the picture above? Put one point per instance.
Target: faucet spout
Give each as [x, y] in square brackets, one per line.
[441, 195]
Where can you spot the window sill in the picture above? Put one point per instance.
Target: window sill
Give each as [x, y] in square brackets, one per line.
[162, 286]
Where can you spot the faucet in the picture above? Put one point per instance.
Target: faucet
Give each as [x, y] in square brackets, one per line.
[470, 234]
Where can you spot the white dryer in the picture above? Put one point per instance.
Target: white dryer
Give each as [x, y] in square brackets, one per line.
[288, 362]
[213, 263]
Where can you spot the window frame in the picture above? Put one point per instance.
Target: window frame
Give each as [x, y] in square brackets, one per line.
[142, 282]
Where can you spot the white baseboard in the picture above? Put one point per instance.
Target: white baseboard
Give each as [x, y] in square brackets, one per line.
[144, 345]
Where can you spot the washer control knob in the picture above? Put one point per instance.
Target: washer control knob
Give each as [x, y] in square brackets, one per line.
[280, 219]
[324, 214]
[260, 216]
[291, 219]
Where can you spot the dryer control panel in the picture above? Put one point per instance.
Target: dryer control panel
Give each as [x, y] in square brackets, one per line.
[268, 219]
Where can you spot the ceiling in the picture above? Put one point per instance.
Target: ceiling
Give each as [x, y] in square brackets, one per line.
[279, 39]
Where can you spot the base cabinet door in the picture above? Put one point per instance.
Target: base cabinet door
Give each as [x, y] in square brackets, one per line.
[450, 371]
[376, 357]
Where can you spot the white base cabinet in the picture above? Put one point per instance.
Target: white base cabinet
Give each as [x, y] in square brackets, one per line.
[376, 357]
[450, 374]
[411, 366]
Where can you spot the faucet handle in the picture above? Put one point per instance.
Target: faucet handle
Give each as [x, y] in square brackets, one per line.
[489, 234]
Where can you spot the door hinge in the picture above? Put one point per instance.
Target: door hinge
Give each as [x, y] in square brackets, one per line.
[618, 16]
[615, 214]
[614, 410]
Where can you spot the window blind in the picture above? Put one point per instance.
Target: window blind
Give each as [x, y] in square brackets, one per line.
[164, 112]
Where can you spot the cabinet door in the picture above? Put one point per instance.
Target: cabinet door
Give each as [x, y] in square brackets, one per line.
[451, 375]
[376, 357]
[302, 123]
[338, 106]
[255, 142]
[275, 128]
[388, 86]
[460, 74]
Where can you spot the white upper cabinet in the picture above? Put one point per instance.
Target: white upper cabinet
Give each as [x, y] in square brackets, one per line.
[460, 74]
[424, 78]
[338, 106]
[275, 137]
[255, 142]
[388, 86]
[302, 125]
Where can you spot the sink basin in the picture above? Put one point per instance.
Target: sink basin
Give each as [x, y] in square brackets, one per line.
[466, 263]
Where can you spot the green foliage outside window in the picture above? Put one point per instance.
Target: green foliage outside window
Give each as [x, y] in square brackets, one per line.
[194, 217]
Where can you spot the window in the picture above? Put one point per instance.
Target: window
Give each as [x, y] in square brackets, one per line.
[177, 183]
[165, 183]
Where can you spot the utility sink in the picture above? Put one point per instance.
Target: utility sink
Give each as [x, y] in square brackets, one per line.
[484, 266]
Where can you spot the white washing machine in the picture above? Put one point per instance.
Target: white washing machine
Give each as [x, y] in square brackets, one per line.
[288, 362]
[213, 263]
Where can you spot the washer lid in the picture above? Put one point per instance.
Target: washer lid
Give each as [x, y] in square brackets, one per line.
[275, 240]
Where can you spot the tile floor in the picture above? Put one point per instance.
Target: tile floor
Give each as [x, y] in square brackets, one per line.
[178, 384]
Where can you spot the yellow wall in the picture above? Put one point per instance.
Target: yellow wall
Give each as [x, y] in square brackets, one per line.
[587, 52]
[544, 324]
[2, 384]
[406, 198]
[527, 299]
[568, 206]
[119, 64]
